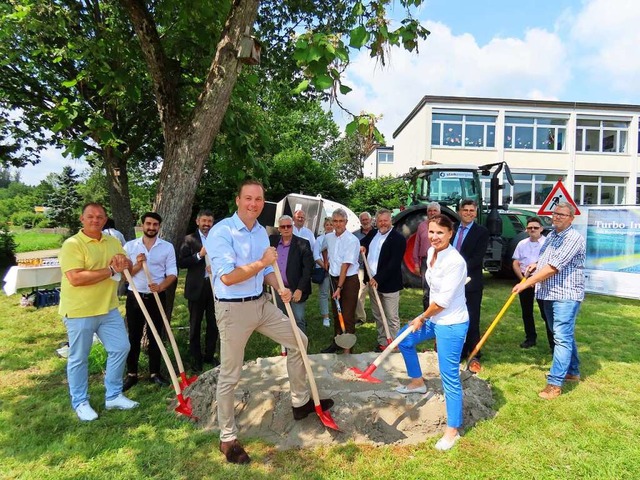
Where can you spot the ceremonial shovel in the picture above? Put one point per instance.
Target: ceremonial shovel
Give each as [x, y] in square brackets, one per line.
[344, 339]
[325, 417]
[184, 404]
[375, 294]
[184, 381]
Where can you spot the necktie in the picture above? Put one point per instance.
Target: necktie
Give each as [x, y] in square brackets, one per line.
[460, 237]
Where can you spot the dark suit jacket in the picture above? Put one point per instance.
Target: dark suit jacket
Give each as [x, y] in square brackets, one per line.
[299, 264]
[195, 280]
[389, 274]
[473, 251]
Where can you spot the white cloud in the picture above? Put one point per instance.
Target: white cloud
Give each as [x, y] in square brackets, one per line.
[607, 33]
[51, 161]
[534, 66]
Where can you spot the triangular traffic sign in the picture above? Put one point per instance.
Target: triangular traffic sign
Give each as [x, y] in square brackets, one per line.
[558, 194]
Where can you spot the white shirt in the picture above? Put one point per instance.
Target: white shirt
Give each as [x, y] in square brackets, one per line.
[304, 232]
[343, 249]
[527, 252]
[446, 280]
[161, 260]
[374, 251]
[115, 233]
[319, 247]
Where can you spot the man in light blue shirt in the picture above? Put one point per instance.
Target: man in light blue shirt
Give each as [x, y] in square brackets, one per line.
[241, 263]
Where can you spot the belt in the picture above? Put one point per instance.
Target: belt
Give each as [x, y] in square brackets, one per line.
[235, 300]
[144, 296]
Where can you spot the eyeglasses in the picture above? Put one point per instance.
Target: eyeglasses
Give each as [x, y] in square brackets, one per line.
[285, 227]
[561, 215]
[533, 228]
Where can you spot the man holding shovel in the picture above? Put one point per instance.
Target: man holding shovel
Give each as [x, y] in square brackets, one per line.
[161, 260]
[90, 262]
[241, 263]
[384, 248]
[344, 252]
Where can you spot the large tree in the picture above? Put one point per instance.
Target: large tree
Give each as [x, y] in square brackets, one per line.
[191, 77]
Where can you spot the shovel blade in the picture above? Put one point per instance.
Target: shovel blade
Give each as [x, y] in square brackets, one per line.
[366, 375]
[184, 406]
[326, 419]
[185, 382]
[345, 340]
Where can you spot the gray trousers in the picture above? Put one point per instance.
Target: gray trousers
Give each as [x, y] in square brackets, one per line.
[236, 322]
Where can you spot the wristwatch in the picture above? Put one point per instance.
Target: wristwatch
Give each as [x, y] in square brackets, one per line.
[113, 271]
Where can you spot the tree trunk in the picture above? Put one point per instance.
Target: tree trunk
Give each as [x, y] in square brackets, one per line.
[188, 147]
[119, 200]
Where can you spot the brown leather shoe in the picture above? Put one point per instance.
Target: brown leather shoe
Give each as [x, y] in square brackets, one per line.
[571, 378]
[234, 452]
[550, 392]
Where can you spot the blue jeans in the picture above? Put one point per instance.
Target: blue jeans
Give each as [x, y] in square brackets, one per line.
[561, 318]
[113, 335]
[450, 340]
[298, 312]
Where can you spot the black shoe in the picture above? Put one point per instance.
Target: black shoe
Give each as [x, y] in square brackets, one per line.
[158, 380]
[333, 348]
[303, 412]
[528, 344]
[129, 382]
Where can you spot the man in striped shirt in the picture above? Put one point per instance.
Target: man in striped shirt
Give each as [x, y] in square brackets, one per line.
[559, 275]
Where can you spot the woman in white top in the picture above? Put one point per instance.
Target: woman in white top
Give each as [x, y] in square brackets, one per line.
[447, 320]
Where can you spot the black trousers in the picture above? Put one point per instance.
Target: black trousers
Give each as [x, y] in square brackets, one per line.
[426, 291]
[474, 301]
[135, 324]
[526, 303]
[197, 311]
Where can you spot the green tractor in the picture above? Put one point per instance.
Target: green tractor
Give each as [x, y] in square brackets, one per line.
[450, 184]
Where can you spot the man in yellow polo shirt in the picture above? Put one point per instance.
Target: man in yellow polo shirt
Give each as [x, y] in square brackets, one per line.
[92, 264]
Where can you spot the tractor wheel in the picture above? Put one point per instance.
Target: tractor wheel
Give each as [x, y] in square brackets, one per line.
[407, 226]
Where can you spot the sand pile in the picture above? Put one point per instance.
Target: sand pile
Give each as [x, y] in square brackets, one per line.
[365, 412]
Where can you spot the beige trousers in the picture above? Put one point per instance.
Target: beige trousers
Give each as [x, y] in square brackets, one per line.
[361, 314]
[390, 304]
[236, 322]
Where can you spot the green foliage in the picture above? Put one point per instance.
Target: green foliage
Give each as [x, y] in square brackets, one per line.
[7, 249]
[65, 202]
[369, 194]
[29, 219]
[294, 171]
[33, 240]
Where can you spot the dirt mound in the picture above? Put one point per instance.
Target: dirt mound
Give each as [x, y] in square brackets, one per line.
[365, 412]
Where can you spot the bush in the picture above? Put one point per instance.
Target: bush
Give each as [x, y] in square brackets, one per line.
[27, 219]
[7, 249]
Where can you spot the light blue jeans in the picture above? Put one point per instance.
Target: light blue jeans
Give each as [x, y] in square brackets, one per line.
[561, 318]
[450, 340]
[113, 335]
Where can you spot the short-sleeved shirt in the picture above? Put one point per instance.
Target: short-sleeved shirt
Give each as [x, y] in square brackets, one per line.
[446, 279]
[422, 243]
[566, 252]
[161, 260]
[86, 253]
[343, 249]
[231, 244]
[528, 252]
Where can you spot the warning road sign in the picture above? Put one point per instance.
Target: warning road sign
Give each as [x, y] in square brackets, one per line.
[558, 194]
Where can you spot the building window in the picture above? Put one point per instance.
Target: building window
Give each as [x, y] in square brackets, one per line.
[530, 189]
[533, 133]
[463, 131]
[604, 136]
[385, 157]
[594, 190]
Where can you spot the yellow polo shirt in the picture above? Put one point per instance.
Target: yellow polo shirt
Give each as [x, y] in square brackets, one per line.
[86, 253]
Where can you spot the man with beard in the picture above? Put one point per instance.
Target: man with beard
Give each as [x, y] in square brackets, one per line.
[197, 291]
[161, 260]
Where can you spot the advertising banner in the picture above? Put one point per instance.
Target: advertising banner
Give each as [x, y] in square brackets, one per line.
[613, 250]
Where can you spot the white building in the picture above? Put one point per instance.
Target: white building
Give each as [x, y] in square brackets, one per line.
[593, 147]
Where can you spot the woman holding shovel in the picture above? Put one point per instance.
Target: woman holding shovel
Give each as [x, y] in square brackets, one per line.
[447, 320]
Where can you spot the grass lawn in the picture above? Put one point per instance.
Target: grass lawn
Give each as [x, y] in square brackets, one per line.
[591, 431]
[32, 240]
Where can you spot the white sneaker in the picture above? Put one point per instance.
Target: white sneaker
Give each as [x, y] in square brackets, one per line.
[444, 445]
[85, 412]
[326, 322]
[121, 403]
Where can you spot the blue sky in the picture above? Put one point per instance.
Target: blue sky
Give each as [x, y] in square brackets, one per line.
[570, 50]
